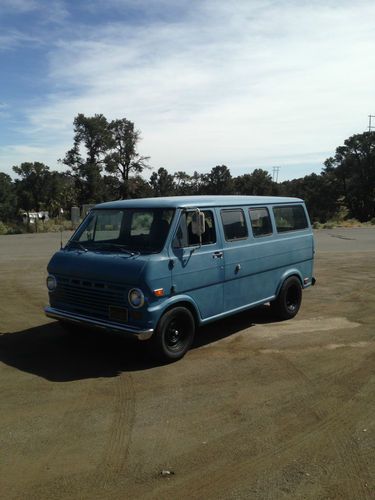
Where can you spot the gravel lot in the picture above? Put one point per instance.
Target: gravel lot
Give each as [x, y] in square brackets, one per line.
[257, 410]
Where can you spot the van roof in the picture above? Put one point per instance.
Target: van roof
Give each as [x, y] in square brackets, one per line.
[197, 201]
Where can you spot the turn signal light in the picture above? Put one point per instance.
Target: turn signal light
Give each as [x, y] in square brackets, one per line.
[159, 292]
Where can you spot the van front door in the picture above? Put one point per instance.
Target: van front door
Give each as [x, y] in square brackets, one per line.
[198, 269]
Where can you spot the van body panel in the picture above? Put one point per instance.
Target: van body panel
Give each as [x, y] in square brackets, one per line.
[158, 308]
[198, 272]
[102, 266]
[255, 268]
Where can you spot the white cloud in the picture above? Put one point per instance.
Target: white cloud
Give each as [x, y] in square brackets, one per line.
[16, 154]
[243, 83]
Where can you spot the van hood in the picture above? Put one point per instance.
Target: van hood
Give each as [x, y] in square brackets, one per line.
[100, 266]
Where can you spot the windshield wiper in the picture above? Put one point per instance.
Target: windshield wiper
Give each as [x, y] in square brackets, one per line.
[117, 246]
[78, 244]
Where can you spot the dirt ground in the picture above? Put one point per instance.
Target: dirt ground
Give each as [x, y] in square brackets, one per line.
[257, 410]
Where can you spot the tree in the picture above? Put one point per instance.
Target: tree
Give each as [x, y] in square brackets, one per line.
[139, 187]
[320, 193]
[354, 168]
[39, 188]
[7, 198]
[197, 183]
[218, 181]
[61, 192]
[92, 142]
[162, 183]
[123, 158]
[33, 186]
[182, 182]
[258, 183]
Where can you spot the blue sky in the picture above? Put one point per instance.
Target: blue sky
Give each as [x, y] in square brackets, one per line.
[247, 83]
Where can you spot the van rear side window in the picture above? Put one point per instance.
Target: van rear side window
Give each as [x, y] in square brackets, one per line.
[234, 224]
[260, 221]
[291, 218]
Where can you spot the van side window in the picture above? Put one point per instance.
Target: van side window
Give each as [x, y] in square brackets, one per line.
[290, 218]
[185, 237]
[260, 221]
[234, 224]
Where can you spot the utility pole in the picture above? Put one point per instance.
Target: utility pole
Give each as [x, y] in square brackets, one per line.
[275, 174]
[370, 126]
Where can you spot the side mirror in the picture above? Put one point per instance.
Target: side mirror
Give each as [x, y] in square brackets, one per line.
[198, 224]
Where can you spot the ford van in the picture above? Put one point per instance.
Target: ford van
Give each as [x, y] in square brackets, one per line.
[159, 268]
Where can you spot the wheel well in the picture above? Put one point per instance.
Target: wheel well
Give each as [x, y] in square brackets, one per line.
[188, 306]
[298, 277]
[294, 275]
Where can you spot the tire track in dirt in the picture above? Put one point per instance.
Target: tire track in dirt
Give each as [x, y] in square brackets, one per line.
[218, 478]
[115, 456]
[347, 454]
[156, 455]
[35, 474]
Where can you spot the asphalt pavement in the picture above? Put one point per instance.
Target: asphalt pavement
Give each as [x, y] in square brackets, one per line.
[342, 239]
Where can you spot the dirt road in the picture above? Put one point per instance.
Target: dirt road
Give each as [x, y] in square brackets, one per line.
[257, 410]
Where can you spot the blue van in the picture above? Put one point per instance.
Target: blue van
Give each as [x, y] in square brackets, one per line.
[158, 268]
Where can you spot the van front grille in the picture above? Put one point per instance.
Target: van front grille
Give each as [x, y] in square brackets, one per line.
[87, 297]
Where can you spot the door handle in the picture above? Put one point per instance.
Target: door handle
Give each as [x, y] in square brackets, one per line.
[217, 255]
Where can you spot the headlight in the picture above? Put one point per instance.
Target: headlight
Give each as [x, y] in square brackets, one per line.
[136, 298]
[51, 283]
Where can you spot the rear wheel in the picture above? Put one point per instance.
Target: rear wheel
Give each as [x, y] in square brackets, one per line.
[288, 302]
[174, 335]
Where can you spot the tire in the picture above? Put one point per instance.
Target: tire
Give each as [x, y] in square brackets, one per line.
[288, 302]
[173, 335]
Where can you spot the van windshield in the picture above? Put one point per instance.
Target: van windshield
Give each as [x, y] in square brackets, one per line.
[127, 230]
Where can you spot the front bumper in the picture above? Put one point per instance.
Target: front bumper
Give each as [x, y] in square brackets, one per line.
[112, 326]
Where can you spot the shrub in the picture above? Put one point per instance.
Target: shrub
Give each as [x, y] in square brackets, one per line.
[3, 228]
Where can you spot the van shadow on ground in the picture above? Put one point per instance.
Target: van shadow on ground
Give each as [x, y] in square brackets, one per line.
[49, 352]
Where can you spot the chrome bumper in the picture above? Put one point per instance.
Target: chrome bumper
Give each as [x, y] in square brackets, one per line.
[51, 312]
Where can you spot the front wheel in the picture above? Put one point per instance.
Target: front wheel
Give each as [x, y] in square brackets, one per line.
[288, 302]
[174, 335]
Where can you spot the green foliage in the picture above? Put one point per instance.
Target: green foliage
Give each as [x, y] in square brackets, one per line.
[162, 183]
[92, 140]
[32, 187]
[104, 164]
[218, 181]
[50, 226]
[320, 192]
[100, 146]
[353, 166]
[3, 228]
[38, 188]
[258, 183]
[7, 197]
[122, 158]
[11, 228]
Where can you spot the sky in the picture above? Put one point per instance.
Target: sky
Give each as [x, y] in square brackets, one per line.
[246, 83]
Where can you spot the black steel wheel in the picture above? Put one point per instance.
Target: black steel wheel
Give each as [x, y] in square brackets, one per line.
[288, 302]
[174, 335]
